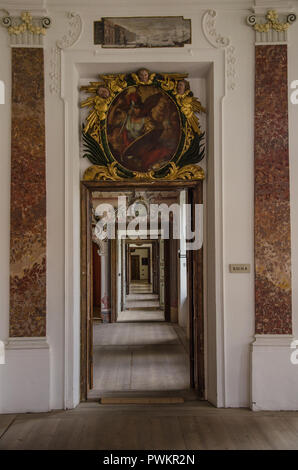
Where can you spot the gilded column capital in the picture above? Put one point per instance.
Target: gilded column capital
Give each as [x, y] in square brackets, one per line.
[26, 30]
[271, 27]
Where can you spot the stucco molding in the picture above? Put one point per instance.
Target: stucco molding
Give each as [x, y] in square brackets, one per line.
[272, 340]
[72, 37]
[219, 41]
[27, 343]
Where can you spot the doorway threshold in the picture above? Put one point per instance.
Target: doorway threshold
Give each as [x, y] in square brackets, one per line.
[140, 400]
[181, 395]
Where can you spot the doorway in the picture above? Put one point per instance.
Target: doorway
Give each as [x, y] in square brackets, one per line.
[139, 287]
[135, 268]
[142, 317]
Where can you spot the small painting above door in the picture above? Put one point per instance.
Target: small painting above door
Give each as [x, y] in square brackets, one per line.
[132, 32]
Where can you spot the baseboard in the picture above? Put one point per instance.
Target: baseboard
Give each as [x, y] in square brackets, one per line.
[274, 378]
[25, 376]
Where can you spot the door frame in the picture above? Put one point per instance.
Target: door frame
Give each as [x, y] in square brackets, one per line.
[195, 280]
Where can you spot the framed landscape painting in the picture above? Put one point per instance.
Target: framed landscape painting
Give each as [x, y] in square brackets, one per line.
[155, 31]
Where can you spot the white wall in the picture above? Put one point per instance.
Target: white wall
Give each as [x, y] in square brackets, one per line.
[229, 298]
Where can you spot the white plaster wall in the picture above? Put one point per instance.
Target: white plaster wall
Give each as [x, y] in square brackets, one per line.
[233, 300]
[4, 199]
[293, 146]
[238, 203]
[55, 240]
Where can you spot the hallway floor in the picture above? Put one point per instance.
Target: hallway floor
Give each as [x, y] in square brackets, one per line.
[141, 307]
[139, 357]
[192, 425]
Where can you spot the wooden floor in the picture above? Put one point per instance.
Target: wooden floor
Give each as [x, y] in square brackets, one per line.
[139, 357]
[141, 315]
[192, 425]
[141, 307]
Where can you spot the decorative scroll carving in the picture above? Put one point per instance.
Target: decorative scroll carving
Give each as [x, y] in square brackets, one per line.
[109, 173]
[26, 30]
[209, 29]
[75, 27]
[271, 28]
[217, 40]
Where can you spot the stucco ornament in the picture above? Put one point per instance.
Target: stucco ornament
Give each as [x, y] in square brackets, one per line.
[217, 40]
[211, 34]
[70, 38]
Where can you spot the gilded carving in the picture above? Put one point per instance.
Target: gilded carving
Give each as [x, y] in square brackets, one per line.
[109, 173]
[272, 22]
[26, 29]
[143, 126]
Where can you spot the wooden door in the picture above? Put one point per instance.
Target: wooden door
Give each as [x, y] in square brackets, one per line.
[96, 261]
[135, 268]
[195, 296]
[86, 295]
[127, 268]
[167, 277]
[154, 268]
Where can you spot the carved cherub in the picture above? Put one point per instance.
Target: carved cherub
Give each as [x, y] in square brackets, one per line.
[143, 77]
[189, 104]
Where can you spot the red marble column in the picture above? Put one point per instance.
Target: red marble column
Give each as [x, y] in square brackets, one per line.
[272, 200]
[28, 195]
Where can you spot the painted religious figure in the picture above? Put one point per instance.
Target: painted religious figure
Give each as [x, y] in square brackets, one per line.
[142, 125]
[143, 128]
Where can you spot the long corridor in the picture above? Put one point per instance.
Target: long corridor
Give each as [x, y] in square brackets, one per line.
[141, 304]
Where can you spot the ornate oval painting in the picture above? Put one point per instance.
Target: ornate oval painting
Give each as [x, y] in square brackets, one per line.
[143, 128]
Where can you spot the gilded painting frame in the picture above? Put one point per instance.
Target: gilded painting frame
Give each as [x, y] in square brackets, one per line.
[142, 126]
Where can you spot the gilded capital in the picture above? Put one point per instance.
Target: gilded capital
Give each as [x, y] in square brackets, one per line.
[272, 27]
[26, 30]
